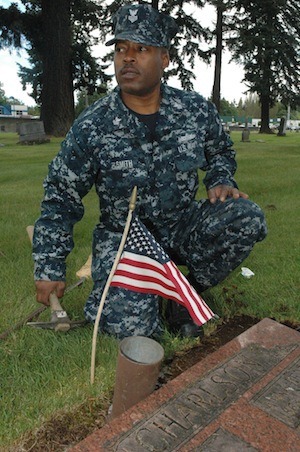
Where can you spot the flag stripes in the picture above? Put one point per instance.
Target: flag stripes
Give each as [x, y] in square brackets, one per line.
[144, 274]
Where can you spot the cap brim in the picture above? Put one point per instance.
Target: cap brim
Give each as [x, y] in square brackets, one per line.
[111, 42]
[132, 37]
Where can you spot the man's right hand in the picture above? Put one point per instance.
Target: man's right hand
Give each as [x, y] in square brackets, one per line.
[45, 288]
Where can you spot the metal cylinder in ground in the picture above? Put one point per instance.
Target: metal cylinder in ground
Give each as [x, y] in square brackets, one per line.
[138, 367]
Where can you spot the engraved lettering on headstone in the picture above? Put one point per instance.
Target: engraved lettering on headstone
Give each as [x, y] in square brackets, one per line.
[202, 398]
[181, 414]
[196, 406]
[237, 373]
[281, 398]
[153, 438]
[168, 425]
[223, 441]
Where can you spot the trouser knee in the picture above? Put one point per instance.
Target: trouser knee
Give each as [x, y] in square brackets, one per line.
[125, 313]
[224, 236]
[250, 220]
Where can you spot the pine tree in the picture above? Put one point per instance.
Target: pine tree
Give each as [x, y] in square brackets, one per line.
[187, 46]
[58, 35]
[266, 40]
[221, 6]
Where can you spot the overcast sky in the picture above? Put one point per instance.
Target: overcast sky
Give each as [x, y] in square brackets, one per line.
[232, 87]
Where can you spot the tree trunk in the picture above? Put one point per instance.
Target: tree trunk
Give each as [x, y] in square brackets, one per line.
[57, 110]
[265, 97]
[265, 115]
[216, 94]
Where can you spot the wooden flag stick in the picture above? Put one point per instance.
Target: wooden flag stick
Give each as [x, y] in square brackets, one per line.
[132, 203]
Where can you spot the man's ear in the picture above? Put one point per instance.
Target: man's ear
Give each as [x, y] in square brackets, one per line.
[165, 58]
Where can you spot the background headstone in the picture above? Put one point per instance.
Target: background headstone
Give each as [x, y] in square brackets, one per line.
[32, 132]
[282, 128]
[246, 135]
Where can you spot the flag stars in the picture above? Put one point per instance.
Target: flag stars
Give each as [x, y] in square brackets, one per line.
[141, 241]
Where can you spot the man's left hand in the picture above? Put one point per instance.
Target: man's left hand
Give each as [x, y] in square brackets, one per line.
[221, 192]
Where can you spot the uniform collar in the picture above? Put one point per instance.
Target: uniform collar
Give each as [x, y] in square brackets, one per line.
[170, 108]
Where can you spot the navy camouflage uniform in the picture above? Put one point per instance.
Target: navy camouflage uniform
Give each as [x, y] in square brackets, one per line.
[108, 146]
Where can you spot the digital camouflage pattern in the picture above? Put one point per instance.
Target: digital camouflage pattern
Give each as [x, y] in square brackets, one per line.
[108, 146]
[143, 24]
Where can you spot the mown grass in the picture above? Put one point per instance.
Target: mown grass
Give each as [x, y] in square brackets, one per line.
[41, 372]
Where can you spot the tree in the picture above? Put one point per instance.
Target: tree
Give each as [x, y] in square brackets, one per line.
[266, 40]
[2, 95]
[34, 111]
[186, 46]
[84, 99]
[249, 106]
[221, 7]
[56, 34]
[227, 108]
[8, 100]
[56, 50]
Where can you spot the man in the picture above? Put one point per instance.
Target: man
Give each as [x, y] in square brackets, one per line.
[148, 135]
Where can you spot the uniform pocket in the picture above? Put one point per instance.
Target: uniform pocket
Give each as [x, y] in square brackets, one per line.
[120, 174]
[187, 174]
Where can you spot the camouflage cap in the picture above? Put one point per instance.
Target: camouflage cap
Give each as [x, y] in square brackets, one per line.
[143, 24]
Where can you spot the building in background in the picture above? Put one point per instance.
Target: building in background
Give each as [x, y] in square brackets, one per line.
[13, 110]
[11, 116]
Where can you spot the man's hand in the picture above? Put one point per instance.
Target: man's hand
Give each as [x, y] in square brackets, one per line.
[221, 192]
[45, 288]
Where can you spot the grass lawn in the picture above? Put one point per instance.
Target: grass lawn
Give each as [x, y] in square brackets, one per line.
[42, 373]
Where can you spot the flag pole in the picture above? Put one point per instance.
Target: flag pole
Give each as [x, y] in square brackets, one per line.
[132, 203]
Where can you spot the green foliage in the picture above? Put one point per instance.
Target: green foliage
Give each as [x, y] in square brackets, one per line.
[2, 95]
[187, 45]
[8, 100]
[34, 111]
[88, 17]
[43, 373]
[23, 26]
[10, 26]
[268, 172]
[228, 108]
[265, 38]
[32, 75]
[84, 100]
[250, 106]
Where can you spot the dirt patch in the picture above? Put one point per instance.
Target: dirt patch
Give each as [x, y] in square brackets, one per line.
[67, 429]
[223, 334]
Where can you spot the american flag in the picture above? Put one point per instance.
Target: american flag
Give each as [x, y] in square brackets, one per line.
[145, 267]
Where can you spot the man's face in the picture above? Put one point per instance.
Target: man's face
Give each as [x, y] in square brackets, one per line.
[139, 68]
